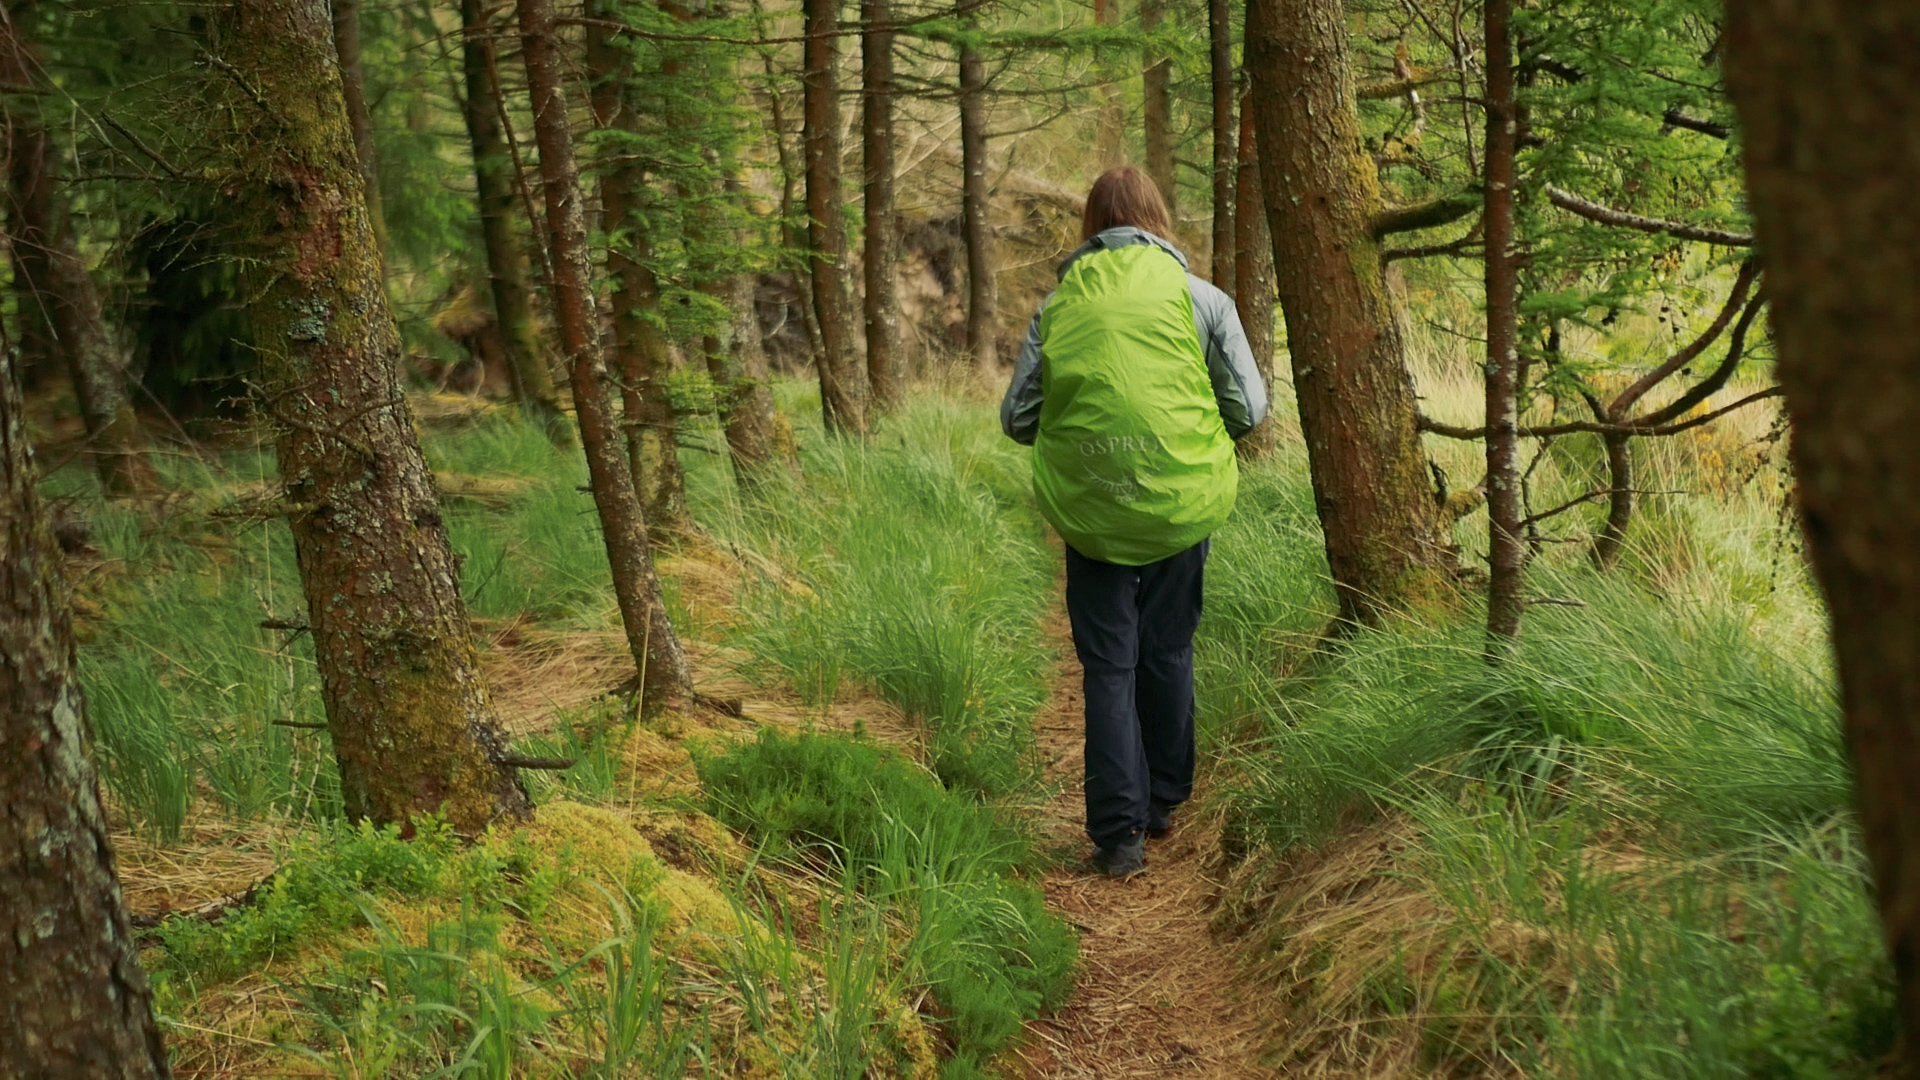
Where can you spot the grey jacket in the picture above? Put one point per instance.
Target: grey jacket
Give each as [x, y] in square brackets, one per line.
[1237, 385]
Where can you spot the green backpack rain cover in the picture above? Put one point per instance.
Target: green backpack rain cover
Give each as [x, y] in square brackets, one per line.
[1132, 463]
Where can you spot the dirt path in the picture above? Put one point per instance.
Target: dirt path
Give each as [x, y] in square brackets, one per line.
[1157, 994]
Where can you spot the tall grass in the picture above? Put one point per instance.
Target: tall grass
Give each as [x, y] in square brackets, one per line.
[980, 940]
[185, 689]
[915, 565]
[1624, 851]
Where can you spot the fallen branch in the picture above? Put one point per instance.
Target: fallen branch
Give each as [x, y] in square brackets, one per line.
[522, 761]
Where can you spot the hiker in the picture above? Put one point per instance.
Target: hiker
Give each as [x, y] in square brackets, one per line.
[1134, 381]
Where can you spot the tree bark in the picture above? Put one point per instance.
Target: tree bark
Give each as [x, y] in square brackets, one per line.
[1253, 290]
[59, 303]
[1156, 79]
[885, 363]
[1358, 415]
[641, 352]
[1111, 128]
[983, 296]
[353, 89]
[494, 186]
[74, 1000]
[1220, 40]
[1506, 547]
[1613, 534]
[737, 364]
[662, 672]
[1825, 90]
[843, 384]
[413, 726]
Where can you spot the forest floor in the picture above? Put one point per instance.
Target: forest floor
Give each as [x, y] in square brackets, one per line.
[1158, 992]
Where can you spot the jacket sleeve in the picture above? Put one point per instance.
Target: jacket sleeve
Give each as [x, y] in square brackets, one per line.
[1237, 384]
[1020, 409]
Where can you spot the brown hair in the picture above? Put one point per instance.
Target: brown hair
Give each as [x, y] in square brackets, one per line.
[1125, 196]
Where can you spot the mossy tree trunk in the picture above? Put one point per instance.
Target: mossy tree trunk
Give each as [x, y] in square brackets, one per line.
[1357, 409]
[843, 381]
[493, 175]
[74, 1000]
[641, 352]
[59, 302]
[1253, 282]
[1825, 90]
[983, 297]
[353, 90]
[881, 227]
[661, 666]
[413, 726]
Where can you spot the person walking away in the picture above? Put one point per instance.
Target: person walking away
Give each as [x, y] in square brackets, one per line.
[1134, 381]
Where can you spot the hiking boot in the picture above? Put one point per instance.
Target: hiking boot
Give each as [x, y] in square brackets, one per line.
[1159, 819]
[1124, 859]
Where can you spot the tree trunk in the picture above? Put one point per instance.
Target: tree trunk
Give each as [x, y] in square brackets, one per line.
[642, 354]
[59, 303]
[843, 384]
[663, 675]
[1220, 39]
[1110, 145]
[73, 998]
[494, 185]
[353, 88]
[737, 364]
[1156, 79]
[1606, 547]
[1253, 283]
[1506, 546]
[881, 264]
[413, 726]
[983, 301]
[1825, 90]
[1357, 409]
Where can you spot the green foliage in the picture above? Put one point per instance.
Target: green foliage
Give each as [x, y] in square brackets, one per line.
[980, 940]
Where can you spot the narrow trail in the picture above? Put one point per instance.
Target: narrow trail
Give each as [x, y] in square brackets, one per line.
[1157, 995]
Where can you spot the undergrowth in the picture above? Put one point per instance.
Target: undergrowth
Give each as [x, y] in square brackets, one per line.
[1625, 851]
[913, 564]
[979, 938]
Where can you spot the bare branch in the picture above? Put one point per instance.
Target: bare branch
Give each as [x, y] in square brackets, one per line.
[521, 761]
[1455, 431]
[1400, 87]
[1620, 219]
[1679, 119]
[1735, 299]
[1707, 387]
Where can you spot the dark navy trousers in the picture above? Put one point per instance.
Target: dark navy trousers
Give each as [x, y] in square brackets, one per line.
[1133, 631]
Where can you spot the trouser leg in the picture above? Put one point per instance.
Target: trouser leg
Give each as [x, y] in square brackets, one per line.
[1103, 606]
[1170, 602]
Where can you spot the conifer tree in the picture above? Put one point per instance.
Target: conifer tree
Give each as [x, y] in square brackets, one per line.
[413, 726]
